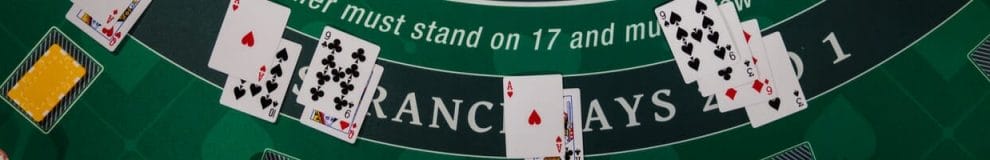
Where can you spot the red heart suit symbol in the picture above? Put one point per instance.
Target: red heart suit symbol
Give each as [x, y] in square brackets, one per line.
[236, 4]
[509, 90]
[747, 36]
[731, 93]
[534, 118]
[344, 124]
[560, 143]
[261, 72]
[248, 39]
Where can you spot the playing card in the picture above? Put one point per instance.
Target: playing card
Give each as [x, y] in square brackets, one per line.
[700, 42]
[110, 22]
[732, 67]
[759, 52]
[574, 141]
[684, 46]
[732, 97]
[264, 99]
[533, 116]
[758, 90]
[339, 65]
[102, 8]
[573, 138]
[344, 123]
[248, 37]
[788, 98]
[735, 30]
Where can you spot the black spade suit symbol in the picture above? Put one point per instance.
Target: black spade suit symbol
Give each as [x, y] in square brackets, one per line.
[271, 85]
[675, 19]
[774, 103]
[282, 55]
[276, 71]
[697, 34]
[707, 22]
[688, 48]
[265, 102]
[694, 63]
[700, 7]
[239, 92]
[720, 52]
[713, 37]
[255, 89]
[681, 33]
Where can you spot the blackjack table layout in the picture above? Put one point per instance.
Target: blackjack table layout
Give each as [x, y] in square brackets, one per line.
[474, 79]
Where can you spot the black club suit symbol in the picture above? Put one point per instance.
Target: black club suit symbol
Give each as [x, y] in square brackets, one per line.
[346, 87]
[322, 77]
[340, 103]
[358, 55]
[725, 73]
[353, 70]
[317, 93]
[333, 46]
[328, 61]
[337, 74]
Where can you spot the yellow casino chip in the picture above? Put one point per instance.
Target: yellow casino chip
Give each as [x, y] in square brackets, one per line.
[47, 82]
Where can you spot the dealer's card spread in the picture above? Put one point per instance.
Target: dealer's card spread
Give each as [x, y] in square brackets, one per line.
[49, 80]
[760, 89]
[264, 99]
[788, 98]
[702, 46]
[747, 37]
[250, 34]
[533, 116]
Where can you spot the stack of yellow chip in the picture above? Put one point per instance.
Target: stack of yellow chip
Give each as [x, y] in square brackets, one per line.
[47, 82]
